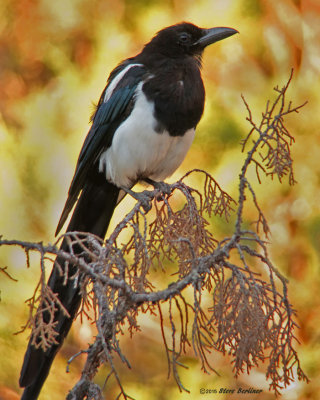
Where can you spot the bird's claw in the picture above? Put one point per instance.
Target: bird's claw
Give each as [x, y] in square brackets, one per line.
[144, 198]
[163, 187]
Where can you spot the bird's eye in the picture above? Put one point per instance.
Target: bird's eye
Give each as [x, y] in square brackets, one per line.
[184, 38]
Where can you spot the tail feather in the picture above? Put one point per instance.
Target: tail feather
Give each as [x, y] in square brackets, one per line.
[92, 214]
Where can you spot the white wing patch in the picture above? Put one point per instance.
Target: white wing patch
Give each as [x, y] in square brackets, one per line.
[138, 151]
[116, 80]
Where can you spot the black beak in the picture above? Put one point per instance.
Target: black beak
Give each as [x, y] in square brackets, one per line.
[214, 35]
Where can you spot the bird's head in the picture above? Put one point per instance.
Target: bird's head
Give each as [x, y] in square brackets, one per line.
[186, 39]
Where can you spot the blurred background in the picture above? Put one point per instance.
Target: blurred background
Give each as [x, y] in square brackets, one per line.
[55, 57]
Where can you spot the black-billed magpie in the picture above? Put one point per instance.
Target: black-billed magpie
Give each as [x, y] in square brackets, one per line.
[142, 129]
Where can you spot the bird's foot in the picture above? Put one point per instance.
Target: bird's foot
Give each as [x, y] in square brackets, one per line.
[144, 198]
[161, 186]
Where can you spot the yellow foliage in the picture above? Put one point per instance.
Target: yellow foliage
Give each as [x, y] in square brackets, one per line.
[55, 58]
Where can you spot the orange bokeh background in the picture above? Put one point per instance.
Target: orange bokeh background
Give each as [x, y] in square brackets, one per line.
[54, 61]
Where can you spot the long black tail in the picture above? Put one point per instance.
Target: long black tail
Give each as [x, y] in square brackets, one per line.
[92, 214]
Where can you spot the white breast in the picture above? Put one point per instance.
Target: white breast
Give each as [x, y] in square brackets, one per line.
[138, 151]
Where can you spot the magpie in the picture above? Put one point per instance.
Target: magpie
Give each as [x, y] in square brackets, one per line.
[141, 130]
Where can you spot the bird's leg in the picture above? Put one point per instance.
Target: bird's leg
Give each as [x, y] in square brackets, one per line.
[144, 198]
[162, 186]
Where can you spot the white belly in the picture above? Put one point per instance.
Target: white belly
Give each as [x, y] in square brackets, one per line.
[138, 151]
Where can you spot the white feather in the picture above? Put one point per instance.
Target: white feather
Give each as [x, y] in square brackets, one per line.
[138, 151]
[116, 80]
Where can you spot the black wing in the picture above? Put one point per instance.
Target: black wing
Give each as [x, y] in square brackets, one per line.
[108, 116]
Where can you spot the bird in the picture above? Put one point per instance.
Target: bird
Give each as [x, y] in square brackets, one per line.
[142, 127]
